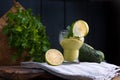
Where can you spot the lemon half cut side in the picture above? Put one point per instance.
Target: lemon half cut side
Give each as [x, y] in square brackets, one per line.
[54, 57]
[80, 28]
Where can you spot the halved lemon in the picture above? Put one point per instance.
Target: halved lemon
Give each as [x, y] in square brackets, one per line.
[80, 28]
[54, 57]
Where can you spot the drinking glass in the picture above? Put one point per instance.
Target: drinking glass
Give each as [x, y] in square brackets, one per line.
[63, 34]
[70, 46]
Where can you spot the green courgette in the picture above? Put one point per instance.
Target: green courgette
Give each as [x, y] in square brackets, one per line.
[89, 54]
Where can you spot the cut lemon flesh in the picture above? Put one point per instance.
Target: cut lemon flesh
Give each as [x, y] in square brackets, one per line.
[80, 28]
[54, 57]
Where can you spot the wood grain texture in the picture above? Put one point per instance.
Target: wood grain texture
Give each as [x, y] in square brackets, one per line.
[116, 78]
[5, 51]
[22, 73]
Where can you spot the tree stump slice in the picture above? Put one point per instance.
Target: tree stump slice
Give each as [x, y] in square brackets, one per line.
[6, 52]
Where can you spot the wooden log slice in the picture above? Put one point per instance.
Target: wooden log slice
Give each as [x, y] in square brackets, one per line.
[6, 52]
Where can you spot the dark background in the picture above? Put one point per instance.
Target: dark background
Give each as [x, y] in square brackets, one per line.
[102, 16]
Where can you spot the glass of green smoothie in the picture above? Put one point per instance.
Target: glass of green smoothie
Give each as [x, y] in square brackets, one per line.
[70, 46]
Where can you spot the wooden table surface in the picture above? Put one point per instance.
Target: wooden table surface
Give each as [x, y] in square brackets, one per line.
[22, 73]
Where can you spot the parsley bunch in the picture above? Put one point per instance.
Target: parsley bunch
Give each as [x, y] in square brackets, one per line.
[26, 33]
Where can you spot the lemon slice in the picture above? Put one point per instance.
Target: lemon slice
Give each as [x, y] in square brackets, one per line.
[54, 57]
[80, 28]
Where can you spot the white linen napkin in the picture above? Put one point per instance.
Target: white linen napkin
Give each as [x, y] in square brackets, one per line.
[79, 71]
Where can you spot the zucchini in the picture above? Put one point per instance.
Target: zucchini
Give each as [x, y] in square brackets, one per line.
[89, 54]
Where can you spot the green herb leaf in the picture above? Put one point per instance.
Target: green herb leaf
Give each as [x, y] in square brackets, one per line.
[26, 33]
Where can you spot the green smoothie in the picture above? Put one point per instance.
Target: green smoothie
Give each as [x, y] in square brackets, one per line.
[71, 48]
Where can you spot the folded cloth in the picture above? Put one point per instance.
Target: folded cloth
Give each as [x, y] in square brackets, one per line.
[79, 71]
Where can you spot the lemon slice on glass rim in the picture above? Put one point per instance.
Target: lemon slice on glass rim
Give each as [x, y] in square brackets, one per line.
[54, 57]
[80, 28]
